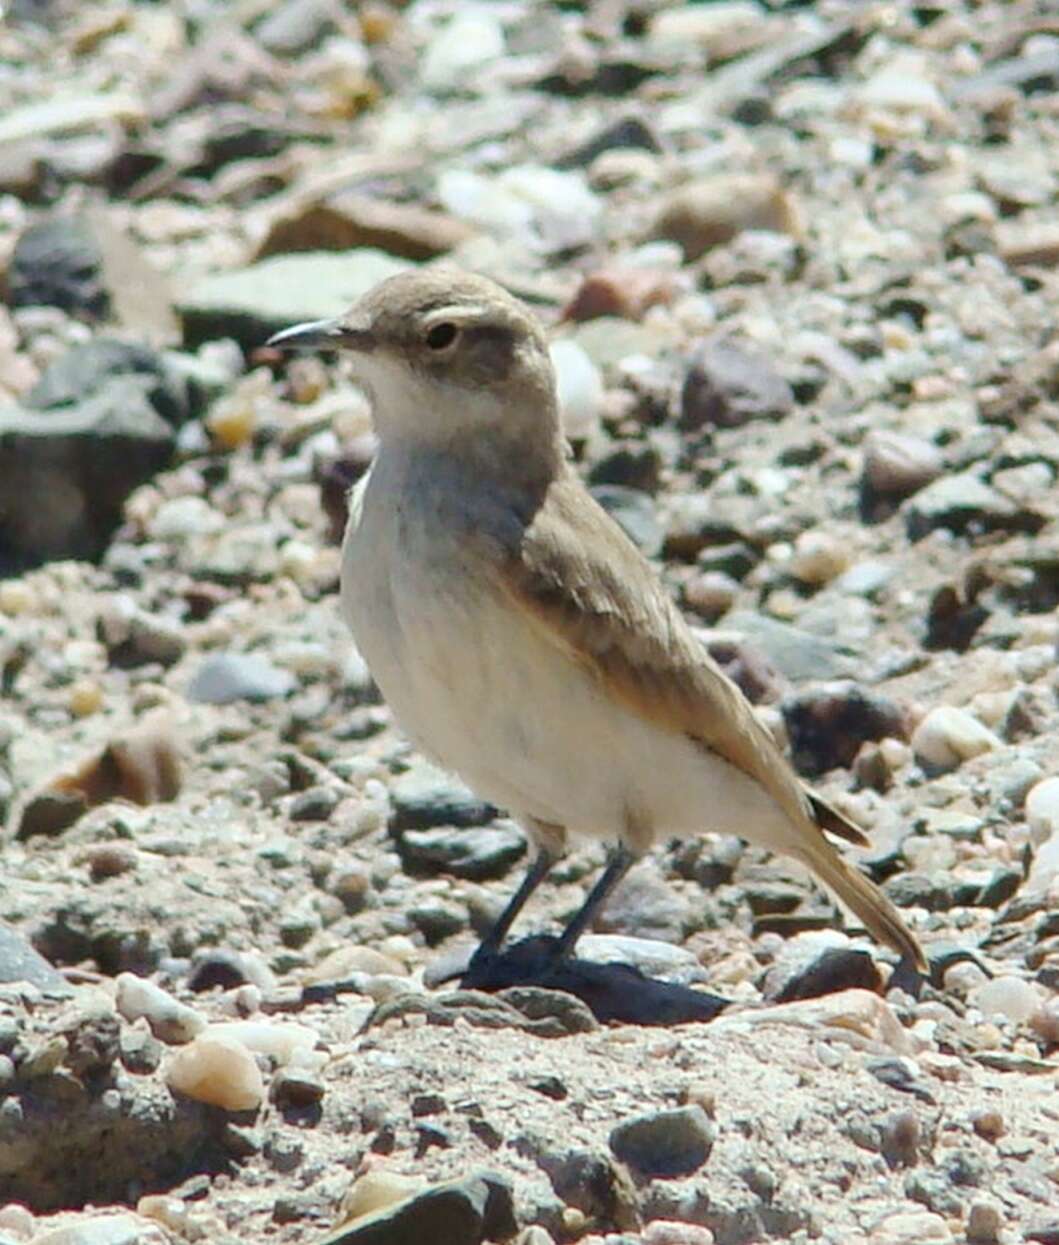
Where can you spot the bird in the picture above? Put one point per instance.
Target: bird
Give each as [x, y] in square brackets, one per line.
[520, 638]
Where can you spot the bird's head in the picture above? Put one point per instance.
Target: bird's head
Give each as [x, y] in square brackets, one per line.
[443, 353]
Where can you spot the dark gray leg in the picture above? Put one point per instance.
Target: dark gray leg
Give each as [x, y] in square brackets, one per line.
[621, 860]
[493, 940]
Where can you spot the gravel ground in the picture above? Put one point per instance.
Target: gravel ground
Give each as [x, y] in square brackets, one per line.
[799, 264]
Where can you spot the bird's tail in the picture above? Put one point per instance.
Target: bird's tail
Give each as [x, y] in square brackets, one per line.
[864, 899]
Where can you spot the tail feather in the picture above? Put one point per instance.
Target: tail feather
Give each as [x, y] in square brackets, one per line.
[865, 900]
[830, 819]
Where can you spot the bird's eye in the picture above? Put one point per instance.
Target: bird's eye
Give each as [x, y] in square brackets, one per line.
[442, 335]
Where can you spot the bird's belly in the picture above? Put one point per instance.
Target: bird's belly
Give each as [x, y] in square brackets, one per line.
[478, 687]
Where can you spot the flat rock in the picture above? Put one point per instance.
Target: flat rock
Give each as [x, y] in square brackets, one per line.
[249, 304]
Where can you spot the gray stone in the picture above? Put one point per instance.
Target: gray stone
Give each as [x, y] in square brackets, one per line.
[645, 906]
[93, 270]
[665, 1143]
[636, 514]
[249, 304]
[228, 677]
[727, 385]
[86, 460]
[795, 653]
[19, 961]
[424, 797]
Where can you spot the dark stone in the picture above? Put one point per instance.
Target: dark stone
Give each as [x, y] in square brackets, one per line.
[49, 813]
[631, 464]
[316, 804]
[898, 1074]
[218, 970]
[665, 1143]
[966, 504]
[92, 1044]
[625, 133]
[728, 384]
[828, 724]
[85, 460]
[920, 890]
[900, 1138]
[474, 853]
[57, 264]
[424, 797]
[837, 968]
[462, 1212]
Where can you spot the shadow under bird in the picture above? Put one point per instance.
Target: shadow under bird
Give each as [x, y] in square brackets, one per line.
[520, 638]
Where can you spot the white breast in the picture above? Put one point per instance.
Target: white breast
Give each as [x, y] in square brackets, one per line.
[475, 685]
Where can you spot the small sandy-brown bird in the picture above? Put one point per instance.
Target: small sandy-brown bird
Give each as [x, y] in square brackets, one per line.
[519, 636]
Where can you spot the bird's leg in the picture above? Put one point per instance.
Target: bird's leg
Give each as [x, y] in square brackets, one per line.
[618, 864]
[493, 940]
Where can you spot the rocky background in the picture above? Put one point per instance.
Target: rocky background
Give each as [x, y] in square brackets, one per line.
[800, 263]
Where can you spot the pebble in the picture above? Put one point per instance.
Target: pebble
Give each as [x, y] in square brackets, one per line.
[219, 1071]
[948, 736]
[669, 1232]
[374, 1191]
[580, 388]
[1008, 996]
[984, 1222]
[916, 1227]
[897, 465]
[122, 1229]
[282, 1043]
[134, 637]
[1042, 809]
[170, 1020]
[828, 724]
[226, 678]
[465, 43]
[818, 558]
[1045, 1022]
[669, 1143]
[728, 383]
[711, 210]
[85, 697]
[988, 1123]
[16, 1221]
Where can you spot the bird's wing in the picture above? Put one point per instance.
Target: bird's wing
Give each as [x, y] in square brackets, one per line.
[591, 592]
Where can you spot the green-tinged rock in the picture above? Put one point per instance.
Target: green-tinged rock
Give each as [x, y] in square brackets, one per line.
[251, 303]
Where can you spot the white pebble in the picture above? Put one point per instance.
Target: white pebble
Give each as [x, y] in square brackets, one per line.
[281, 1042]
[818, 558]
[218, 1071]
[1042, 809]
[1007, 996]
[170, 1021]
[580, 389]
[948, 736]
[16, 1221]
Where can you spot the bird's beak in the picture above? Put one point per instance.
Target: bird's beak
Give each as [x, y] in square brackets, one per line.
[339, 334]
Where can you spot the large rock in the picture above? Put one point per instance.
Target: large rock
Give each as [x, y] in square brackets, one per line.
[249, 304]
[90, 269]
[99, 423]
